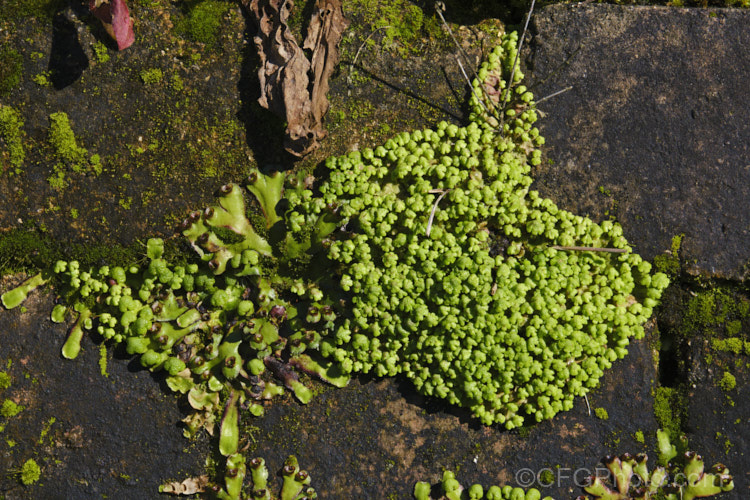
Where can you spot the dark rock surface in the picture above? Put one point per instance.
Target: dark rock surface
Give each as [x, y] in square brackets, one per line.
[93, 435]
[658, 116]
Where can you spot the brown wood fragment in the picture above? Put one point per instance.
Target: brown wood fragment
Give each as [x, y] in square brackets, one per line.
[189, 486]
[292, 86]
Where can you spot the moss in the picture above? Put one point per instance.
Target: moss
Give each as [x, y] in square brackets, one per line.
[734, 327]
[30, 472]
[10, 409]
[4, 381]
[208, 146]
[601, 413]
[669, 263]
[42, 79]
[727, 382]
[11, 132]
[151, 76]
[711, 309]
[10, 69]
[20, 250]
[732, 344]
[63, 140]
[401, 23]
[57, 180]
[639, 437]
[176, 83]
[45, 430]
[204, 19]
[228, 236]
[28, 249]
[546, 478]
[101, 52]
[126, 202]
[43, 9]
[670, 410]
[103, 360]
[701, 310]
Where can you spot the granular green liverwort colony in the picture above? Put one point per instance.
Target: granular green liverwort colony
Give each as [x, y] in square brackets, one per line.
[429, 256]
[680, 475]
[454, 272]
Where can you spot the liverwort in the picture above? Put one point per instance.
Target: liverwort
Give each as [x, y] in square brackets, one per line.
[15, 297]
[229, 434]
[269, 190]
[72, 345]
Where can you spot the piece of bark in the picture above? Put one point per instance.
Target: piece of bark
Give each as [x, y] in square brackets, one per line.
[323, 36]
[293, 87]
[189, 486]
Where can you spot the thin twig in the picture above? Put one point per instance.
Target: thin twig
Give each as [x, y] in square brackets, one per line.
[509, 83]
[439, 7]
[553, 94]
[590, 249]
[356, 56]
[473, 91]
[434, 207]
[586, 398]
[555, 70]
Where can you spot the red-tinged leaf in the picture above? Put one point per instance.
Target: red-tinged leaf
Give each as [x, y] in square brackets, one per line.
[123, 24]
[115, 17]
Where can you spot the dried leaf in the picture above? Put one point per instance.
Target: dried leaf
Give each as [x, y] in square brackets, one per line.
[323, 37]
[189, 486]
[115, 17]
[293, 87]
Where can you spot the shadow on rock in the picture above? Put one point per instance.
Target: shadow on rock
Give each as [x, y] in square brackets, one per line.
[264, 131]
[67, 60]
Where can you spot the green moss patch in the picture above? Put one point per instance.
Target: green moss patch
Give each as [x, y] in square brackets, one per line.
[10, 409]
[11, 133]
[727, 382]
[10, 69]
[70, 155]
[400, 24]
[19, 9]
[152, 76]
[30, 472]
[669, 263]
[203, 20]
[718, 310]
[670, 410]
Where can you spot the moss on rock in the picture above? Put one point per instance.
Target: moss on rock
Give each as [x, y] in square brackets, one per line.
[11, 132]
[670, 410]
[10, 69]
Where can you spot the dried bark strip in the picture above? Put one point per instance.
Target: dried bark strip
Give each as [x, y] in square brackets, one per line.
[292, 86]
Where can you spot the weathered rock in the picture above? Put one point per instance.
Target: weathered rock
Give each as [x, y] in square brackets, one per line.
[658, 119]
[93, 435]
